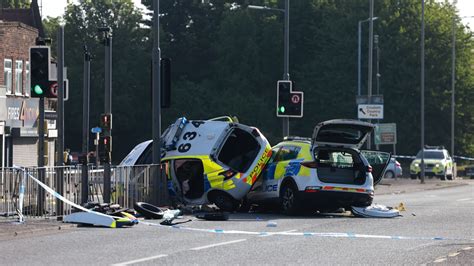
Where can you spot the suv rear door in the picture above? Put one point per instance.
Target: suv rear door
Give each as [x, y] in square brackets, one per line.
[342, 133]
[379, 161]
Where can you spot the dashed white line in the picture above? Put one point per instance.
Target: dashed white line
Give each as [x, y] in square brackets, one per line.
[140, 260]
[466, 199]
[439, 260]
[219, 244]
[454, 254]
[467, 248]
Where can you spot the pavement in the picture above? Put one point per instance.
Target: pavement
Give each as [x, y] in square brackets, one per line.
[9, 229]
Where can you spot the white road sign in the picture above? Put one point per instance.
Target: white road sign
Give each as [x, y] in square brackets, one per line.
[370, 111]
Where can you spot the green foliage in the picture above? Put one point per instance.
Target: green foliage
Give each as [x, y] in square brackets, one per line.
[15, 3]
[226, 60]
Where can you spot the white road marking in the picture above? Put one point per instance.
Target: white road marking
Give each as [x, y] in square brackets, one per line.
[454, 254]
[270, 233]
[467, 248]
[466, 199]
[140, 260]
[219, 244]
[439, 260]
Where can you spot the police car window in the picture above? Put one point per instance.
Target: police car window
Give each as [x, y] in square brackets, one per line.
[287, 153]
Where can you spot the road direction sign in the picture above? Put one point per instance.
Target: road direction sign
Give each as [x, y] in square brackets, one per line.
[386, 134]
[370, 111]
[96, 130]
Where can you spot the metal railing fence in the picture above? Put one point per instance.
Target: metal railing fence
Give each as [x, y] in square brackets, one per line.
[129, 184]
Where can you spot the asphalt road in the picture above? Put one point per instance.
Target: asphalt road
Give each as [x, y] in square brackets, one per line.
[438, 224]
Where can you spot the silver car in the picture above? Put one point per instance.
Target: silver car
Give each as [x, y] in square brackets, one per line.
[394, 169]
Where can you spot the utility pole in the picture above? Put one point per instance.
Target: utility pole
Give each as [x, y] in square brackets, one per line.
[60, 120]
[85, 126]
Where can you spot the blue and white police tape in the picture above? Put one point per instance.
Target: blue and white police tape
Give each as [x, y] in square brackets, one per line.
[414, 157]
[305, 234]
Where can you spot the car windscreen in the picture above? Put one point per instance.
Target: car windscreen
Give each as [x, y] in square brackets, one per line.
[431, 155]
[239, 150]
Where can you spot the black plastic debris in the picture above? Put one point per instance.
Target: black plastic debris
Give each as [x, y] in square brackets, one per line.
[213, 216]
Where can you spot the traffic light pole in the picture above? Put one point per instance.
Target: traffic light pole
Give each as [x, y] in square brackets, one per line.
[286, 72]
[85, 127]
[41, 169]
[108, 107]
[60, 121]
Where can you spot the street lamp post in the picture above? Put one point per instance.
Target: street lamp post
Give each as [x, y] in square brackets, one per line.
[359, 54]
[286, 54]
[422, 164]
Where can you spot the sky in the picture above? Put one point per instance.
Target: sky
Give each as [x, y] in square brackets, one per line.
[54, 8]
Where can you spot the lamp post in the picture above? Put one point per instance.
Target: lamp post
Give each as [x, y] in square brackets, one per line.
[359, 53]
[422, 164]
[286, 54]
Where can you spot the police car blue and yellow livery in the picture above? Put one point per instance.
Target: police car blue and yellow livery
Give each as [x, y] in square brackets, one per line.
[324, 172]
[211, 161]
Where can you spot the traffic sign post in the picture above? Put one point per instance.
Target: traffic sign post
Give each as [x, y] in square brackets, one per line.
[386, 134]
[370, 111]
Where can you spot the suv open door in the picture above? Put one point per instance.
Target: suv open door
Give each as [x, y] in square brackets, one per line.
[379, 162]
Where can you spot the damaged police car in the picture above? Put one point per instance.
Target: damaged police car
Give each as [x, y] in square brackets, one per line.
[325, 172]
[208, 161]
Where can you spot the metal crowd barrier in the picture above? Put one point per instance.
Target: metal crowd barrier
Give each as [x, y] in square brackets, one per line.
[129, 184]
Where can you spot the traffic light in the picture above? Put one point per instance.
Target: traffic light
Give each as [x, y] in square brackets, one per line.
[39, 73]
[289, 102]
[105, 148]
[106, 123]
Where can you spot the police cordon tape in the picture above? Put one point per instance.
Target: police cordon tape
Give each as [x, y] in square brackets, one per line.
[414, 157]
[94, 217]
[305, 234]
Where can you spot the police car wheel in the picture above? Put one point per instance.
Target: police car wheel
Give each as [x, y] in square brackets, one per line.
[225, 202]
[289, 202]
[443, 177]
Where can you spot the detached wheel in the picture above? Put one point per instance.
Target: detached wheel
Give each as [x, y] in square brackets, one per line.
[289, 201]
[148, 211]
[388, 175]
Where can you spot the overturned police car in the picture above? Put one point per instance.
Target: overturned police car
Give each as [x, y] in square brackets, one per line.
[208, 161]
[325, 172]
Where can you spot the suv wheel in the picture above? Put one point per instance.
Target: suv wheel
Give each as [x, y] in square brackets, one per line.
[289, 202]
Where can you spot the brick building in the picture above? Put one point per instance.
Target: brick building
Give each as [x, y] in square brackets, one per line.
[19, 29]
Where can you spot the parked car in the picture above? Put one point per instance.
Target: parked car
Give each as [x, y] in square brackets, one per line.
[325, 172]
[469, 171]
[208, 161]
[437, 163]
[394, 169]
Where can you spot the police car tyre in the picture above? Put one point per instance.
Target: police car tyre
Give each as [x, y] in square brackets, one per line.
[289, 201]
[389, 174]
[148, 210]
[450, 177]
[443, 177]
[224, 201]
[412, 176]
[244, 206]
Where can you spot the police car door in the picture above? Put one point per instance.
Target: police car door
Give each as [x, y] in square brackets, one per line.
[278, 169]
[258, 190]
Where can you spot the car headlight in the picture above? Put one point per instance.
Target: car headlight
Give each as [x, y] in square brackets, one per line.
[437, 165]
[416, 164]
